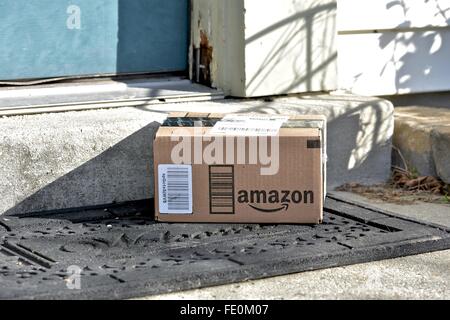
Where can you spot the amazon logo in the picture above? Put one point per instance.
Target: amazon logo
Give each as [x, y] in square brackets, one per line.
[274, 200]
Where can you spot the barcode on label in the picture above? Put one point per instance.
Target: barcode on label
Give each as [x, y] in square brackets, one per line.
[175, 188]
[221, 189]
[249, 125]
[255, 130]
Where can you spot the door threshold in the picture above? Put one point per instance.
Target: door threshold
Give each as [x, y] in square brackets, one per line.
[101, 93]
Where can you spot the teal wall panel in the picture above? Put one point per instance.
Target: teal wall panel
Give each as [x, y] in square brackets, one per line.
[53, 38]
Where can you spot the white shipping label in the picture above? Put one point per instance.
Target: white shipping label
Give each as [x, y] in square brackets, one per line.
[175, 188]
[249, 125]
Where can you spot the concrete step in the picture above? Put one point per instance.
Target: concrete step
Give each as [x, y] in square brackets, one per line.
[422, 134]
[101, 93]
[86, 158]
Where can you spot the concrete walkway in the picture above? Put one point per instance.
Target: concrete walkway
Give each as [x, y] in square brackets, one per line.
[424, 276]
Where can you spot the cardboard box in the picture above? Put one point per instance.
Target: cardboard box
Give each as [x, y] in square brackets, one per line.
[240, 168]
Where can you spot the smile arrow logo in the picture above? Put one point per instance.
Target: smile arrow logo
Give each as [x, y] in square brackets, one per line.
[284, 206]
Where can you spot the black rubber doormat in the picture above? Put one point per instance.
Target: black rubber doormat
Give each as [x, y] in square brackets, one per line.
[119, 252]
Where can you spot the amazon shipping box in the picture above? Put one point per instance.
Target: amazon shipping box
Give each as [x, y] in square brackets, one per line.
[240, 168]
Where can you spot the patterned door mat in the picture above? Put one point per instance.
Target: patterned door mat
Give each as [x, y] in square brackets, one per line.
[120, 252]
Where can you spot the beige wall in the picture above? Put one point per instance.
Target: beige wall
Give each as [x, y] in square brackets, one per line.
[219, 25]
[268, 47]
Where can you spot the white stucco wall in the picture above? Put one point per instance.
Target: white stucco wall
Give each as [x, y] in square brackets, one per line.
[382, 47]
[290, 46]
[267, 47]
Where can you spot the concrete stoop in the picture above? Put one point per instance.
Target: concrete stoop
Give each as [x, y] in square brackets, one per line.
[86, 158]
[422, 134]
